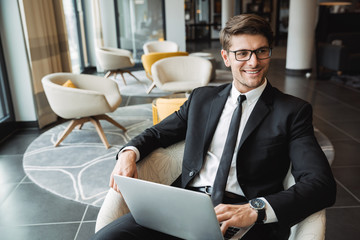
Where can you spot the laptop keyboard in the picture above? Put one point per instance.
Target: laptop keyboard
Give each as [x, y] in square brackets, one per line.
[230, 232]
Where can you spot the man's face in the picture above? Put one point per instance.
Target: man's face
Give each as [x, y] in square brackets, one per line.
[250, 74]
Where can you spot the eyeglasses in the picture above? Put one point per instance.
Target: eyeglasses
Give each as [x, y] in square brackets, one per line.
[245, 55]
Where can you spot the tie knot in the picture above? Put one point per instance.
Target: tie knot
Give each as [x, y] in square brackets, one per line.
[241, 98]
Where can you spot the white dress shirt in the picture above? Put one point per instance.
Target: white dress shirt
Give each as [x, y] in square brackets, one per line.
[208, 172]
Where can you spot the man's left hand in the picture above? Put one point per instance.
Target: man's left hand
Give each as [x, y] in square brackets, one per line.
[235, 215]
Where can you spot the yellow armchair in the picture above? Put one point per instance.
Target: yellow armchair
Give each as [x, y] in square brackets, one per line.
[163, 107]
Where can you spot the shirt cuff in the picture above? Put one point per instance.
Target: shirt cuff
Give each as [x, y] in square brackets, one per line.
[270, 214]
[133, 149]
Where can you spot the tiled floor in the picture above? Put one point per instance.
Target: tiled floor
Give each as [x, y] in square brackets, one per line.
[29, 212]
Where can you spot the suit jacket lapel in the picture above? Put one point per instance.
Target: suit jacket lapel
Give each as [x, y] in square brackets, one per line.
[216, 108]
[262, 108]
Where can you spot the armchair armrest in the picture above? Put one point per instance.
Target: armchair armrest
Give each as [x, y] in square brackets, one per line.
[161, 166]
[311, 228]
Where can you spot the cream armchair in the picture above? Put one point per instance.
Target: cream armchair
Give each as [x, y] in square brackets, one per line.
[181, 74]
[89, 101]
[164, 166]
[115, 61]
[160, 46]
[149, 59]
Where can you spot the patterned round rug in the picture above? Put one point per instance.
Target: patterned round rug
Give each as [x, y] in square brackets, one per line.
[134, 87]
[79, 168]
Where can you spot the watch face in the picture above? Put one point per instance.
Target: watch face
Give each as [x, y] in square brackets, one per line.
[257, 203]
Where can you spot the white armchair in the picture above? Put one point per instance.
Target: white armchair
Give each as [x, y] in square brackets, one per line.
[160, 46]
[89, 101]
[115, 61]
[164, 166]
[181, 74]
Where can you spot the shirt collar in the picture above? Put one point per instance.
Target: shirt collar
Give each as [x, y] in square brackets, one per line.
[251, 96]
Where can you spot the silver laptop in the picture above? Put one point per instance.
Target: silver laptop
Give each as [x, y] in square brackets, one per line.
[178, 212]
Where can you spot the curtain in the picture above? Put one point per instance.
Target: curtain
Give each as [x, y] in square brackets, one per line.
[46, 37]
[98, 32]
[99, 40]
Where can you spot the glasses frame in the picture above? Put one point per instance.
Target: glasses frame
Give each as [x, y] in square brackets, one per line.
[251, 53]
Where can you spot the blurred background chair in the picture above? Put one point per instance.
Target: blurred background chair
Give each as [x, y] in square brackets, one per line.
[340, 53]
[160, 46]
[149, 59]
[88, 100]
[181, 74]
[209, 57]
[115, 61]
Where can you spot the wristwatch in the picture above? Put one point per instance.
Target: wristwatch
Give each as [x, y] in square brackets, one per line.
[259, 206]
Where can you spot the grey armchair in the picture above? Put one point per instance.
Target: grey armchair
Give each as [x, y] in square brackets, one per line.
[340, 53]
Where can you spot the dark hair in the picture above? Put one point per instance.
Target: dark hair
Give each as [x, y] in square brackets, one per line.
[245, 24]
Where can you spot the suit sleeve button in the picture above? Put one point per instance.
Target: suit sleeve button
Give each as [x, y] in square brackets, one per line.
[191, 173]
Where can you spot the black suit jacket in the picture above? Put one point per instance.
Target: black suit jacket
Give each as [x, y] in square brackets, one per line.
[279, 132]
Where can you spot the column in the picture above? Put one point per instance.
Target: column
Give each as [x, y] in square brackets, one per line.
[301, 36]
[227, 11]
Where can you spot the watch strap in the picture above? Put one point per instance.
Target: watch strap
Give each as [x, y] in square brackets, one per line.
[261, 216]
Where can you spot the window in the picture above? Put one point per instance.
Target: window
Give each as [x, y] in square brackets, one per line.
[7, 124]
[139, 21]
[75, 29]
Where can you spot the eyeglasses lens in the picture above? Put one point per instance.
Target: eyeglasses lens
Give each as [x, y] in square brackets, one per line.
[261, 53]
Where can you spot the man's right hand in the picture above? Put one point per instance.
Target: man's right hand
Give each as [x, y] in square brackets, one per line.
[125, 166]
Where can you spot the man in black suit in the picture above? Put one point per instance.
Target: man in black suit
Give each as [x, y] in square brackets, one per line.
[275, 133]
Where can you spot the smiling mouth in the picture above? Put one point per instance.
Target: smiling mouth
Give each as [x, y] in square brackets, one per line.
[251, 71]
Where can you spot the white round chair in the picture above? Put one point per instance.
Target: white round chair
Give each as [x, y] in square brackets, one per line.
[89, 100]
[115, 61]
[160, 46]
[209, 57]
[181, 74]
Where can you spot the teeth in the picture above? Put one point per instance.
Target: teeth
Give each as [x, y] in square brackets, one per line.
[252, 71]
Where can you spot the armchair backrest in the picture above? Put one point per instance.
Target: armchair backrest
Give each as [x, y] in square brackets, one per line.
[93, 95]
[185, 69]
[114, 58]
[149, 59]
[160, 46]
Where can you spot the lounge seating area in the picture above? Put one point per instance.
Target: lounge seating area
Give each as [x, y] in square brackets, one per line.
[67, 112]
[84, 217]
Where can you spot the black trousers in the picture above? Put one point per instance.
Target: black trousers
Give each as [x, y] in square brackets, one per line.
[125, 228]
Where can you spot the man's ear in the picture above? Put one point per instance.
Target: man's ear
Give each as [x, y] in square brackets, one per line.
[225, 57]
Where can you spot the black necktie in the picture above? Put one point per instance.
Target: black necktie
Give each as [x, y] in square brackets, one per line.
[227, 155]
